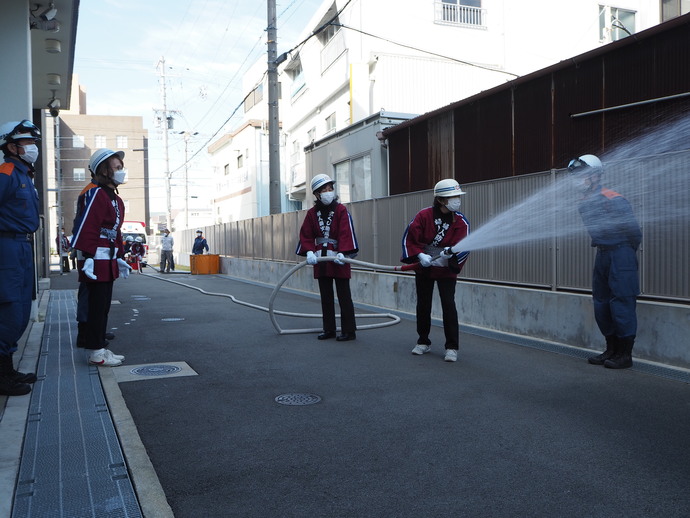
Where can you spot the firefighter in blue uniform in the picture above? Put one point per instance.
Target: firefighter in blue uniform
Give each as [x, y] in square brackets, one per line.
[18, 221]
[616, 234]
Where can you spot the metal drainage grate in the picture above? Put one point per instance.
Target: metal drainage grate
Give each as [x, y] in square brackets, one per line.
[172, 319]
[297, 399]
[155, 370]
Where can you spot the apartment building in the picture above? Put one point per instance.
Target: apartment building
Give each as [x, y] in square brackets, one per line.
[79, 135]
[404, 57]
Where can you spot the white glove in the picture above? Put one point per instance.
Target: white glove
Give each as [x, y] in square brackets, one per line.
[88, 269]
[124, 268]
[339, 259]
[311, 257]
[447, 252]
[424, 260]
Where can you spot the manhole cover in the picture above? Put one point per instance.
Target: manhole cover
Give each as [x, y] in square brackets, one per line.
[173, 319]
[155, 370]
[297, 399]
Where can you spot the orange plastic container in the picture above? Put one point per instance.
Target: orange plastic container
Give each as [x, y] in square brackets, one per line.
[204, 264]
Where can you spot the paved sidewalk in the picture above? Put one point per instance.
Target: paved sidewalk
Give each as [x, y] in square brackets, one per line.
[508, 430]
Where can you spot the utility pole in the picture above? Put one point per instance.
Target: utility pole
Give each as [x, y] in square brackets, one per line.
[166, 120]
[187, 136]
[273, 119]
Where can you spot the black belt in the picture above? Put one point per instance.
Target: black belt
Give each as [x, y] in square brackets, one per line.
[612, 247]
[16, 235]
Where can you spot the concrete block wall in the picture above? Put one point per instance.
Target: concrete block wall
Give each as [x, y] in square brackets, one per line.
[563, 318]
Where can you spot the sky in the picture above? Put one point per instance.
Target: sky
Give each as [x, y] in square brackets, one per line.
[207, 46]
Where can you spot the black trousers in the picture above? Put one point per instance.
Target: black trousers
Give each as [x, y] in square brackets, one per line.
[99, 296]
[347, 308]
[425, 291]
[65, 264]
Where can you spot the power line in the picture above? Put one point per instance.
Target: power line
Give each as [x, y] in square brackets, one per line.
[469, 63]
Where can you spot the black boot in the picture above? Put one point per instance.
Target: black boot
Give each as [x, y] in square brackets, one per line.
[622, 360]
[8, 385]
[22, 377]
[611, 350]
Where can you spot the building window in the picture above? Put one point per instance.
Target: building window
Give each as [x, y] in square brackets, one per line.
[78, 141]
[240, 161]
[311, 135]
[121, 141]
[353, 179]
[254, 97]
[330, 123]
[673, 8]
[466, 13]
[331, 30]
[78, 174]
[226, 169]
[615, 24]
[296, 73]
[99, 141]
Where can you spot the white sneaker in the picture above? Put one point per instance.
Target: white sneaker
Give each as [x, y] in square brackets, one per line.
[421, 349]
[451, 355]
[101, 358]
[113, 355]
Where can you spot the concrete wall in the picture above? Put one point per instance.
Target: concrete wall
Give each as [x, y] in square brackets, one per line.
[562, 318]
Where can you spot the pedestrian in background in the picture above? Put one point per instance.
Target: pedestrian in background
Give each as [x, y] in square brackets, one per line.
[63, 249]
[328, 230]
[616, 234]
[98, 239]
[137, 252]
[200, 243]
[19, 219]
[167, 261]
[427, 241]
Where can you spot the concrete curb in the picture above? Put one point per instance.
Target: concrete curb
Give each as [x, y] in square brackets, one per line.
[148, 488]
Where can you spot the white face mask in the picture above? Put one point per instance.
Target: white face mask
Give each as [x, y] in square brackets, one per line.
[453, 204]
[120, 176]
[327, 197]
[30, 153]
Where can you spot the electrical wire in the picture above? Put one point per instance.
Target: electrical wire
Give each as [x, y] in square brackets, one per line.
[314, 33]
[469, 63]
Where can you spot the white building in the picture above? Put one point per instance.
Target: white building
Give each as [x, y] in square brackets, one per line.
[400, 57]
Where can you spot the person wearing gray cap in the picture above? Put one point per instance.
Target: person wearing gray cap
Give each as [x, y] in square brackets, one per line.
[167, 261]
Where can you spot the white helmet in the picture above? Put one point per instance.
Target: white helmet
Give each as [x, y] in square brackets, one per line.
[101, 155]
[129, 239]
[448, 188]
[139, 240]
[17, 130]
[586, 164]
[319, 181]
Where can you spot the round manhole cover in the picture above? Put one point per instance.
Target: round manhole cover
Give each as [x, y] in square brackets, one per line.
[173, 319]
[155, 370]
[297, 399]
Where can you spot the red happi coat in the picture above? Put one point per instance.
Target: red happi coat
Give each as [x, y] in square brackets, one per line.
[97, 233]
[341, 230]
[420, 234]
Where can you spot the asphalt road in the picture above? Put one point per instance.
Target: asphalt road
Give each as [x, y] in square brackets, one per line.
[506, 431]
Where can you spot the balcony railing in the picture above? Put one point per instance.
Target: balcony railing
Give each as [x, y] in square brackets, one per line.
[461, 15]
[333, 50]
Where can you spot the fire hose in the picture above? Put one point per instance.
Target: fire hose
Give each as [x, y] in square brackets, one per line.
[394, 319]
